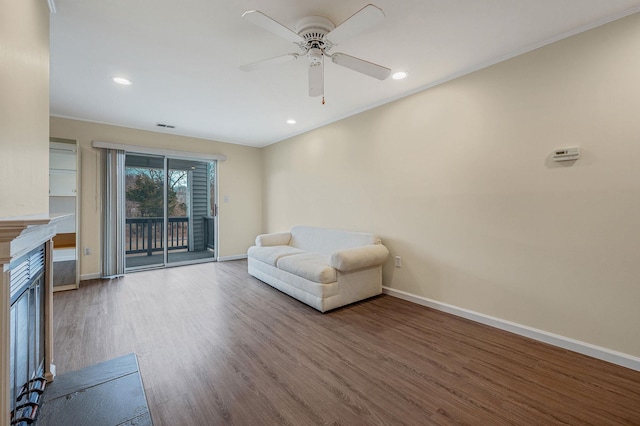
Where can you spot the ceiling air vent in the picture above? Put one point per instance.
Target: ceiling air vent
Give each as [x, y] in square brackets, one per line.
[167, 126]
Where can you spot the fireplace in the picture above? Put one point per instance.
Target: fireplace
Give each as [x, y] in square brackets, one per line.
[26, 335]
[25, 315]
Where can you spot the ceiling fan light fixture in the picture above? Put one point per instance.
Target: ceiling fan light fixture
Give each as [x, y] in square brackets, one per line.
[315, 55]
[399, 75]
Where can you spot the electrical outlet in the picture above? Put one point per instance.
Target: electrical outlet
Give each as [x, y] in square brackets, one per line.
[398, 262]
[87, 251]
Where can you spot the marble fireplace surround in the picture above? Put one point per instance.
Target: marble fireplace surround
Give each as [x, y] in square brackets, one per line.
[18, 236]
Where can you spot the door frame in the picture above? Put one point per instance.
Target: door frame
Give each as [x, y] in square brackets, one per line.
[75, 148]
[167, 157]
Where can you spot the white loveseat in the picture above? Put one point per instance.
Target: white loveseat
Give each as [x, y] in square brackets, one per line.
[324, 268]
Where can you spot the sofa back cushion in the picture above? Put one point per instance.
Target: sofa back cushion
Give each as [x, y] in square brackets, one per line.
[328, 241]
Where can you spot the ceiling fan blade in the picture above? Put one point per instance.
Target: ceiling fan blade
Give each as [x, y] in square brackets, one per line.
[316, 79]
[263, 21]
[360, 21]
[360, 65]
[268, 62]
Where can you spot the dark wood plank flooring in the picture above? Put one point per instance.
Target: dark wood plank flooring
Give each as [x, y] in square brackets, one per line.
[216, 346]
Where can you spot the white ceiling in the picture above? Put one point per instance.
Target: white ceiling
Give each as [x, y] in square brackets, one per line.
[183, 58]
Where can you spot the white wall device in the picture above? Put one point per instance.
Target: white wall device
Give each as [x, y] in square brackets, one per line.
[566, 154]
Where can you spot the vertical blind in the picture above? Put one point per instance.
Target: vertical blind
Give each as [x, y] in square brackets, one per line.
[113, 217]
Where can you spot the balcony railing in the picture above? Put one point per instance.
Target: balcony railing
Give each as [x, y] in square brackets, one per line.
[146, 234]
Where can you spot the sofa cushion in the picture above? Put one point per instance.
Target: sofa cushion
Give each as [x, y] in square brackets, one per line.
[328, 241]
[271, 254]
[312, 266]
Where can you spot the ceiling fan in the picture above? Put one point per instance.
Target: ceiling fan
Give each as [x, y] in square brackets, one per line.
[315, 36]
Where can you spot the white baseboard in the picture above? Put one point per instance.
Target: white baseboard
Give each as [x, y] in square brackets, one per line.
[65, 258]
[93, 276]
[62, 255]
[584, 348]
[227, 258]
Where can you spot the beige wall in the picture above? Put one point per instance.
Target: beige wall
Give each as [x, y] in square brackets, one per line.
[238, 179]
[24, 108]
[458, 181]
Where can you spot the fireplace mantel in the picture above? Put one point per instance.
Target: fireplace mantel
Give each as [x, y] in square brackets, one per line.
[18, 236]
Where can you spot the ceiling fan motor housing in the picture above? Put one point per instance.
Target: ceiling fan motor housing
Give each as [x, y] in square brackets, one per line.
[313, 29]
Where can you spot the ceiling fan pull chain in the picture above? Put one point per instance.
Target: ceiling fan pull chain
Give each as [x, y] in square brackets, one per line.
[323, 78]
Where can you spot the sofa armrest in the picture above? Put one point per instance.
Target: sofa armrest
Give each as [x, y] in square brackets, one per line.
[277, 239]
[359, 258]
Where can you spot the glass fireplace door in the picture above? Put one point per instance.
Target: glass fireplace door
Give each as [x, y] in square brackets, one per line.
[26, 339]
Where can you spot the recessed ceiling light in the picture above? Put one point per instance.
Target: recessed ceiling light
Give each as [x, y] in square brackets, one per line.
[399, 75]
[291, 121]
[123, 81]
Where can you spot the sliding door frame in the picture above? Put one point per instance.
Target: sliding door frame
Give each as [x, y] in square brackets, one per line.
[168, 154]
[210, 163]
[166, 177]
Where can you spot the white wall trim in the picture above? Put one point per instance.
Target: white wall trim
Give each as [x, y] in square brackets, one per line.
[94, 276]
[159, 151]
[584, 348]
[228, 258]
[62, 255]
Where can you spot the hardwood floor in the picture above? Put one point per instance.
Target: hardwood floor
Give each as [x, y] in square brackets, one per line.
[216, 346]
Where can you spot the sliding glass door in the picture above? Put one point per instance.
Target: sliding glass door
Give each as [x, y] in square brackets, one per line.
[170, 211]
[144, 207]
[191, 220]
